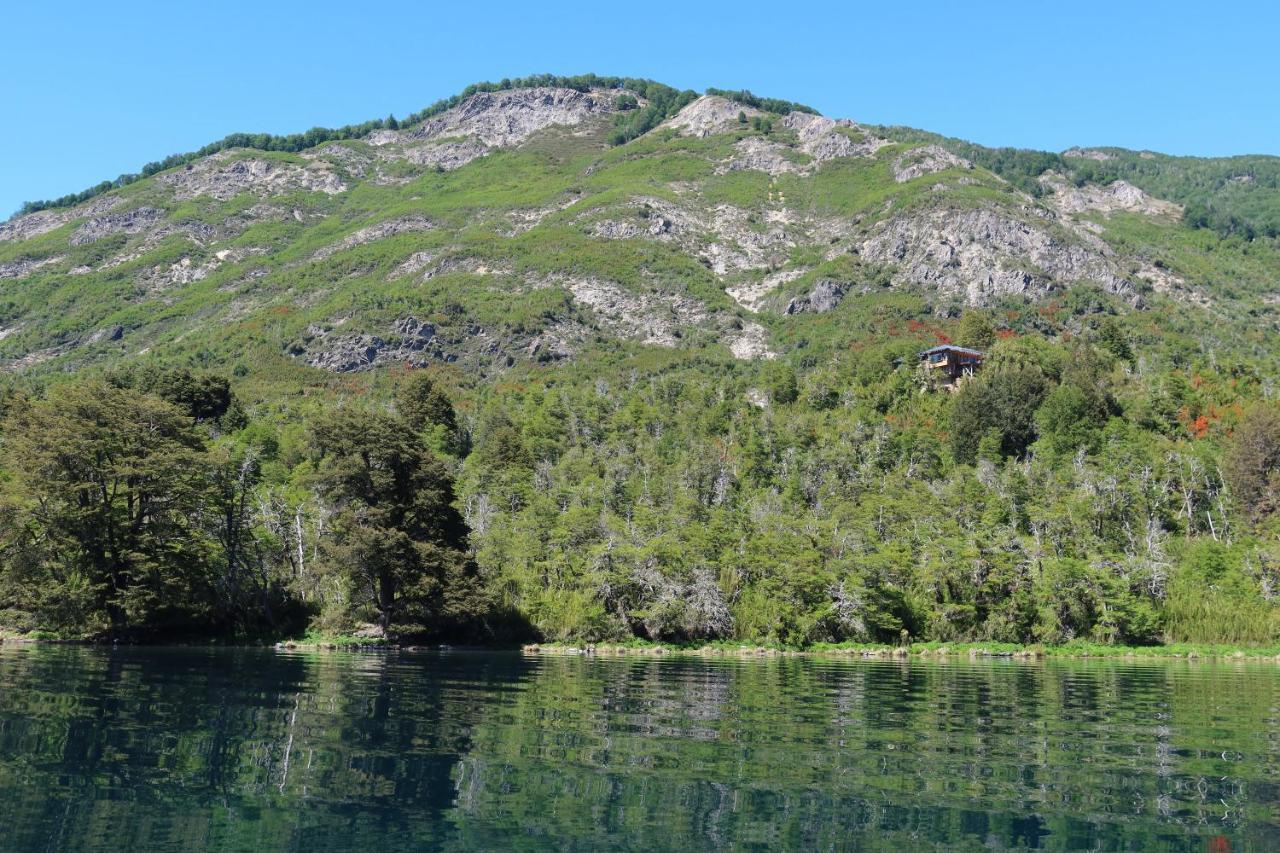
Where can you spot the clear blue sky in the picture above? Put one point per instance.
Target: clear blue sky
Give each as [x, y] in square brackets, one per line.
[90, 90]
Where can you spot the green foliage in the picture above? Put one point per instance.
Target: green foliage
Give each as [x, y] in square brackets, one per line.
[976, 330]
[108, 493]
[769, 105]
[1003, 399]
[1252, 461]
[398, 543]
[1233, 196]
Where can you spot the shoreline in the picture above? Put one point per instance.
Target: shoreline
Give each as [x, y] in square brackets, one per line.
[861, 651]
[919, 651]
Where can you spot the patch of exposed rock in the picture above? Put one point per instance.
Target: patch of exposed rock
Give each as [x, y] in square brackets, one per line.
[980, 255]
[44, 221]
[461, 264]
[664, 319]
[824, 296]
[127, 222]
[24, 267]
[526, 219]
[1087, 154]
[217, 178]
[756, 154]
[374, 233]
[1165, 282]
[443, 155]
[355, 163]
[926, 160]
[708, 115]
[1116, 196]
[751, 294]
[414, 342]
[188, 271]
[558, 342]
[824, 139]
[509, 117]
[727, 238]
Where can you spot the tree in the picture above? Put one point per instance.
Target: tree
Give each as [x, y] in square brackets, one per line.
[1004, 399]
[111, 484]
[975, 331]
[397, 539]
[425, 408]
[1252, 461]
[781, 383]
[1066, 421]
[1113, 338]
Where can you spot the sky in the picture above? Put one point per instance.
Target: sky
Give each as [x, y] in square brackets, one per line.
[91, 90]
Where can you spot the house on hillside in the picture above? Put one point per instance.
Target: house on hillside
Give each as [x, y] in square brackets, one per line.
[953, 363]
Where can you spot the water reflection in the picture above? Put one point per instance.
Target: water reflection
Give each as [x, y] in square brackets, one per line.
[202, 749]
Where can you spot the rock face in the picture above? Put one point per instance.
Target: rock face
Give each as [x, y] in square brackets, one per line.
[1116, 196]
[822, 139]
[444, 155]
[919, 162]
[1087, 154]
[754, 153]
[664, 319]
[824, 296]
[128, 222]
[708, 115]
[348, 353]
[44, 221]
[980, 255]
[374, 233]
[217, 178]
[509, 117]
[25, 266]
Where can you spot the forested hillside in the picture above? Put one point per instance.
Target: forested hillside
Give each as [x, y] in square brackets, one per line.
[596, 359]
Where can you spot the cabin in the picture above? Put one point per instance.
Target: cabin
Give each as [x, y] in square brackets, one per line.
[954, 363]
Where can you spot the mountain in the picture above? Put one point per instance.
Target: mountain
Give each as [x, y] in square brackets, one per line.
[707, 308]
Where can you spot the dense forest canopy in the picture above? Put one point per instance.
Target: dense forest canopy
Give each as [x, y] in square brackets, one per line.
[1060, 495]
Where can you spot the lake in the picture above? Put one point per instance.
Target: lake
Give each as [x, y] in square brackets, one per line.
[191, 749]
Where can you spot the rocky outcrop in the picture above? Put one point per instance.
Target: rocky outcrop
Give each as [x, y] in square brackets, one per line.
[44, 221]
[726, 238]
[824, 139]
[509, 117]
[24, 267]
[222, 177]
[188, 270]
[750, 294]
[340, 353]
[446, 156]
[1116, 196]
[709, 115]
[374, 233]
[1087, 154]
[927, 160]
[754, 153]
[127, 222]
[824, 296]
[665, 319]
[981, 254]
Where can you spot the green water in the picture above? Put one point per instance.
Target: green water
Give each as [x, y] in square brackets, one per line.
[207, 749]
